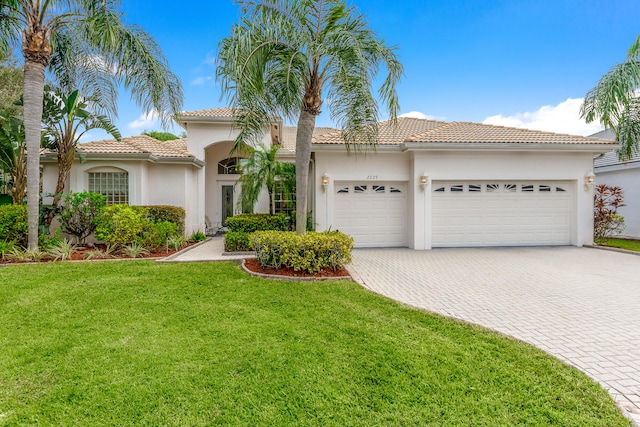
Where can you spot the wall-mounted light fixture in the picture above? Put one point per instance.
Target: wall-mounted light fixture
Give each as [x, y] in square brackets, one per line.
[325, 181]
[423, 180]
[589, 180]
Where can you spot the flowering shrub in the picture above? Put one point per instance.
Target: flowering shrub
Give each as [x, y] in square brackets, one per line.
[606, 221]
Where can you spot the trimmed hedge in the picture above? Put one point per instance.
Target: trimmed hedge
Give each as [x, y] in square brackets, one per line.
[14, 225]
[311, 252]
[236, 241]
[120, 225]
[248, 223]
[161, 213]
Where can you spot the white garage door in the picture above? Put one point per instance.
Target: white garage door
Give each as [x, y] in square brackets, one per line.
[501, 213]
[373, 213]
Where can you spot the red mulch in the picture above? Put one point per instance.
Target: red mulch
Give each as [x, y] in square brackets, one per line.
[78, 255]
[254, 265]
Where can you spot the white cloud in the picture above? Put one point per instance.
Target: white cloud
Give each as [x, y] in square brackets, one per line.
[146, 121]
[419, 115]
[561, 118]
[201, 80]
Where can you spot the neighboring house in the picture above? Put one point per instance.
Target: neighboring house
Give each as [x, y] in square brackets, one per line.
[426, 184]
[625, 174]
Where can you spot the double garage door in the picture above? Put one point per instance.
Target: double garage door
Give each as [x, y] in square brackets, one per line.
[474, 213]
[501, 213]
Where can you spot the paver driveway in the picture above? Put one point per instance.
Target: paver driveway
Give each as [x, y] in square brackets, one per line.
[581, 305]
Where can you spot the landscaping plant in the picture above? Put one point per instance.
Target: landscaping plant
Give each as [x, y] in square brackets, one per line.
[13, 224]
[121, 225]
[80, 213]
[62, 251]
[606, 221]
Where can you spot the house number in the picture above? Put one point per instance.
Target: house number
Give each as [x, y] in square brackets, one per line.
[372, 176]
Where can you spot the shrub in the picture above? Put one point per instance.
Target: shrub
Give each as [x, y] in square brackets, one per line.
[161, 213]
[176, 242]
[62, 251]
[235, 241]
[120, 225]
[606, 221]
[5, 199]
[311, 252]
[156, 235]
[6, 247]
[248, 223]
[198, 236]
[14, 225]
[134, 250]
[80, 212]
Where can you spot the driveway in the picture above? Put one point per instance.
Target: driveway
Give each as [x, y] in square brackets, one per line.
[581, 305]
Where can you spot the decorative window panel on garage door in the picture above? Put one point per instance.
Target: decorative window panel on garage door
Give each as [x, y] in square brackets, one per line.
[501, 213]
[373, 213]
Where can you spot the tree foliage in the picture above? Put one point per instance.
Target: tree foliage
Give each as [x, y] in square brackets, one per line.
[615, 102]
[160, 136]
[11, 86]
[85, 45]
[13, 156]
[80, 214]
[284, 57]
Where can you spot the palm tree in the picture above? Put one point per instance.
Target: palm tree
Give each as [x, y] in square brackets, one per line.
[284, 56]
[66, 119]
[615, 102]
[262, 170]
[86, 46]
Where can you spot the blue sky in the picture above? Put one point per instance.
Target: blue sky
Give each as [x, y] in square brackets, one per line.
[521, 63]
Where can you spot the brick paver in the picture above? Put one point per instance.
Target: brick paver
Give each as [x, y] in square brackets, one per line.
[581, 305]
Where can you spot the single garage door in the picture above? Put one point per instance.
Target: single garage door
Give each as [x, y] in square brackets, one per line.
[373, 213]
[501, 213]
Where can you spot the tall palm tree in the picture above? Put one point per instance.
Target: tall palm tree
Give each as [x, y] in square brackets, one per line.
[282, 59]
[86, 45]
[66, 119]
[615, 102]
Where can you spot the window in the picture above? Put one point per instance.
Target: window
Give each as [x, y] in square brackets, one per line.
[527, 188]
[439, 190]
[493, 188]
[229, 166]
[510, 188]
[360, 189]
[378, 188]
[113, 185]
[474, 188]
[343, 190]
[560, 189]
[394, 190]
[544, 189]
[284, 200]
[457, 188]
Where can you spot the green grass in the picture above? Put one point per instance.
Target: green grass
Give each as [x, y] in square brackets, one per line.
[630, 245]
[141, 343]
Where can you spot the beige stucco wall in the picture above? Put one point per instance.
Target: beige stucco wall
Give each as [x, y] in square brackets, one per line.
[454, 165]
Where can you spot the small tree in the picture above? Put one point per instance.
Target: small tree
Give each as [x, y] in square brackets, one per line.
[606, 221]
[80, 213]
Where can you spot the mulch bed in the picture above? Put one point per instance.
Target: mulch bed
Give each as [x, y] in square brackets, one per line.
[79, 255]
[254, 265]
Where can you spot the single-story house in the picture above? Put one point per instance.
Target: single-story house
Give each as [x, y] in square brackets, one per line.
[610, 170]
[426, 184]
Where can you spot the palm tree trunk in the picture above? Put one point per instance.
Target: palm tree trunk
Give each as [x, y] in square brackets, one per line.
[33, 96]
[306, 124]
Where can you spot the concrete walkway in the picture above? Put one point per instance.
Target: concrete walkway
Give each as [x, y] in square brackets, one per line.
[211, 249]
[581, 305]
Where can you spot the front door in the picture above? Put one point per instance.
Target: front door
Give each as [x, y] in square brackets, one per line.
[227, 203]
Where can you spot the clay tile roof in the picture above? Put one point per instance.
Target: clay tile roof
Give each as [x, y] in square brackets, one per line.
[388, 133]
[289, 136]
[214, 112]
[466, 132]
[138, 144]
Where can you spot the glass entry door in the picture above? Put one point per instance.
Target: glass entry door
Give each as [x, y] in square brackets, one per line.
[227, 203]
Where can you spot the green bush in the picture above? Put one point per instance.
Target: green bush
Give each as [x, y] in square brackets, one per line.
[311, 252]
[14, 225]
[235, 241]
[248, 223]
[121, 225]
[156, 234]
[5, 199]
[198, 236]
[160, 213]
[80, 212]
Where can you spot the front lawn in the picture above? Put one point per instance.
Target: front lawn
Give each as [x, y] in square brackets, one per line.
[630, 245]
[142, 343]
